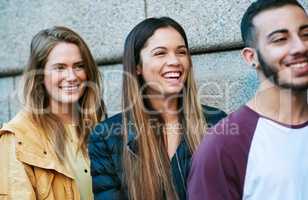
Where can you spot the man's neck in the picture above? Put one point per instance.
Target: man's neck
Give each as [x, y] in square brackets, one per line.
[282, 105]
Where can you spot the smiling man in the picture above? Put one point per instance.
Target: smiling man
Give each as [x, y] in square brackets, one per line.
[263, 156]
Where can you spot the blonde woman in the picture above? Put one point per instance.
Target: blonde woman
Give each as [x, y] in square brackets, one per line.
[145, 151]
[43, 148]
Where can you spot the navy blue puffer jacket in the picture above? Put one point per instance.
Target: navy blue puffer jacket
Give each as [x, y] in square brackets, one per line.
[105, 150]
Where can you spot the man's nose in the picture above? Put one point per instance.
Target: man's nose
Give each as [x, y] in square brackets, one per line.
[298, 46]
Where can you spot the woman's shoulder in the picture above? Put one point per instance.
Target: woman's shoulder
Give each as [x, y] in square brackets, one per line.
[105, 141]
[20, 124]
[107, 130]
[212, 114]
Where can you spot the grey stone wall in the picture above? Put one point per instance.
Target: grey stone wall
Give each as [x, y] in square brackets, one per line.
[212, 27]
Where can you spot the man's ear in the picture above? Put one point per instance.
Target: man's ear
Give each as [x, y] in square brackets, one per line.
[250, 56]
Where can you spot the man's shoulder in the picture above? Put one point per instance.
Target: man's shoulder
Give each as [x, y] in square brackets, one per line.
[234, 131]
[223, 153]
[236, 123]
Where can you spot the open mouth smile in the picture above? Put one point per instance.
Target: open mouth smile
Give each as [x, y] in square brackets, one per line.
[172, 75]
[299, 64]
[300, 68]
[70, 88]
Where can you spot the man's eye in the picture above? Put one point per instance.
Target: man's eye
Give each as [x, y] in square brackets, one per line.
[278, 40]
[305, 35]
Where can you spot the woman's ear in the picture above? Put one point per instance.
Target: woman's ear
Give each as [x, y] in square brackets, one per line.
[250, 56]
[139, 70]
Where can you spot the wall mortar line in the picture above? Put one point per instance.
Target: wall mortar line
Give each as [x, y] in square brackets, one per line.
[145, 9]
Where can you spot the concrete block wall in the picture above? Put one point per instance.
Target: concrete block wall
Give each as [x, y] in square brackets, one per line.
[212, 26]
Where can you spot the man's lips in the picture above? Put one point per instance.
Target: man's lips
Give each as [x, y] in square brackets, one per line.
[298, 63]
[299, 68]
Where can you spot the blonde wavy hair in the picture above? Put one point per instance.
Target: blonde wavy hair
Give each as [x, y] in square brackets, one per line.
[91, 107]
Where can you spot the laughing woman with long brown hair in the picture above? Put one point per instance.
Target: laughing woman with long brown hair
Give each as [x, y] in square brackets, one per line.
[43, 149]
[145, 151]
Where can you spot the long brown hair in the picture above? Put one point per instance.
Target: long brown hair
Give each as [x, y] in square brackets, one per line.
[148, 174]
[90, 106]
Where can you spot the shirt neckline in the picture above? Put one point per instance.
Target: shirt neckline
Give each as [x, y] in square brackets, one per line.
[293, 126]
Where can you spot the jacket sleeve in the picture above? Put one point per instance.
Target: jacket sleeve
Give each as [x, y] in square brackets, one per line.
[106, 183]
[14, 182]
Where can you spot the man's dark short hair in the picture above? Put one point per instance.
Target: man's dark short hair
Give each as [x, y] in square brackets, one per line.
[247, 28]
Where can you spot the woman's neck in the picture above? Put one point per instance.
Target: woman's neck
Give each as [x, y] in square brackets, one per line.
[66, 112]
[167, 106]
[168, 109]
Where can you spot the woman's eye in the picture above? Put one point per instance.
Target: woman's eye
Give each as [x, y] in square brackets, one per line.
[159, 53]
[183, 52]
[59, 67]
[79, 67]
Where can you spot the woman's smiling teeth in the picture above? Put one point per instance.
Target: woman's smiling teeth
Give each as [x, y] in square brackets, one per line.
[172, 75]
[70, 88]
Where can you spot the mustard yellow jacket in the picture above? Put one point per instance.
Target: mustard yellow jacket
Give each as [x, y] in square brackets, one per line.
[29, 167]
